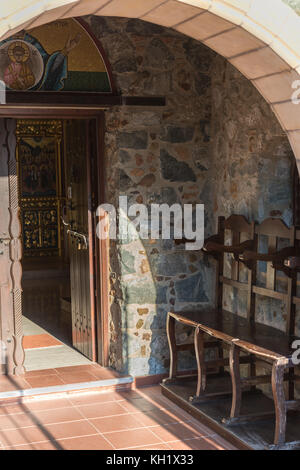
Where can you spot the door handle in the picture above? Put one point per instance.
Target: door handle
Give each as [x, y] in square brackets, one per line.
[81, 236]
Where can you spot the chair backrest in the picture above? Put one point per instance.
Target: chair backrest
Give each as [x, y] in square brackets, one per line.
[245, 247]
[275, 231]
[240, 231]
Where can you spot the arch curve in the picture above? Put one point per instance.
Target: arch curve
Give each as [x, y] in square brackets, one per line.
[252, 35]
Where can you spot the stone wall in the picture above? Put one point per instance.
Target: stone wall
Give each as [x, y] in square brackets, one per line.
[215, 142]
[251, 171]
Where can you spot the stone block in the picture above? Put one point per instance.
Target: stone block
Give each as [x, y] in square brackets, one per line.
[174, 170]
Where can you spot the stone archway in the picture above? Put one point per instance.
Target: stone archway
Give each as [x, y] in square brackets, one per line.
[270, 62]
[251, 34]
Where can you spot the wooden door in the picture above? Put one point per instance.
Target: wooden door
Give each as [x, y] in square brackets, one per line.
[11, 329]
[80, 235]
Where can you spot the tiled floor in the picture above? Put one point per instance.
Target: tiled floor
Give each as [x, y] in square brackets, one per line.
[141, 419]
[45, 283]
[43, 340]
[60, 376]
[54, 356]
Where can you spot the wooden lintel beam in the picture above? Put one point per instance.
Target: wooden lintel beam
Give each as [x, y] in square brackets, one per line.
[40, 99]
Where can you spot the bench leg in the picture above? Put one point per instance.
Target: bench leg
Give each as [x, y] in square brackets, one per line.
[279, 402]
[173, 349]
[200, 357]
[234, 363]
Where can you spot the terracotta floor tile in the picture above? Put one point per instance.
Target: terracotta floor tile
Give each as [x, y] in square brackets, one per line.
[75, 369]
[11, 409]
[134, 438]
[130, 395]
[173, 432]
[100, 410]
[38, 373]
[139, 404]
[157, 401]
[93, 398]
[62, 423]
[16, 383]
[77, 377]
[60, 415]
[116, 424]
[155, 417]
[105, 374]
[86, 443]
[43, 340]
[23, 436]
[44, 381]
[14, 421]
[46, 445]
[51, 432]
[39, 405]
[70, 429]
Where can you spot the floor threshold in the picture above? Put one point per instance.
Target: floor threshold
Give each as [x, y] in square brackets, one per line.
[96, 384]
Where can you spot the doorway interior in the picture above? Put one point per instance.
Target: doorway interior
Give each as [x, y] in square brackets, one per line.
[58, 189]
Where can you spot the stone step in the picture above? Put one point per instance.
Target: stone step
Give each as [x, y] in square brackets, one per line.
[107, 385]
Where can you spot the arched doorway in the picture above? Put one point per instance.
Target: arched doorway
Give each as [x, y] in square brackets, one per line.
[250, 54]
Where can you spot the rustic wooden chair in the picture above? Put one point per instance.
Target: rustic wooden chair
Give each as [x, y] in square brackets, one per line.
[267, 343]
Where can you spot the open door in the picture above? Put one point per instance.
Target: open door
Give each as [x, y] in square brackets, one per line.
[80, 234]
[11, 330]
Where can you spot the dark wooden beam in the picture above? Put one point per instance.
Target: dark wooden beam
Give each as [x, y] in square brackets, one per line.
[49, 99]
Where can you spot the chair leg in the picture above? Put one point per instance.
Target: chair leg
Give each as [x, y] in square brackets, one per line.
[200, 357]
[234, 363]
[252, 370]
[291, 384]
[279, 402]
[221, 356]
[173, 349]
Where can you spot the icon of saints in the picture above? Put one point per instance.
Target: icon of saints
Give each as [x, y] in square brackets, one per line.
[21, 74]
[18, 75]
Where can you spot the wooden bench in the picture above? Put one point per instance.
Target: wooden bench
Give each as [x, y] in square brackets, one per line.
[226, 330]
[237, 228]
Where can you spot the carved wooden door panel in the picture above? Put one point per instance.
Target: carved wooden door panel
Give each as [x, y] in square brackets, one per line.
[11, 330]
[80, 236]
[40, 185]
